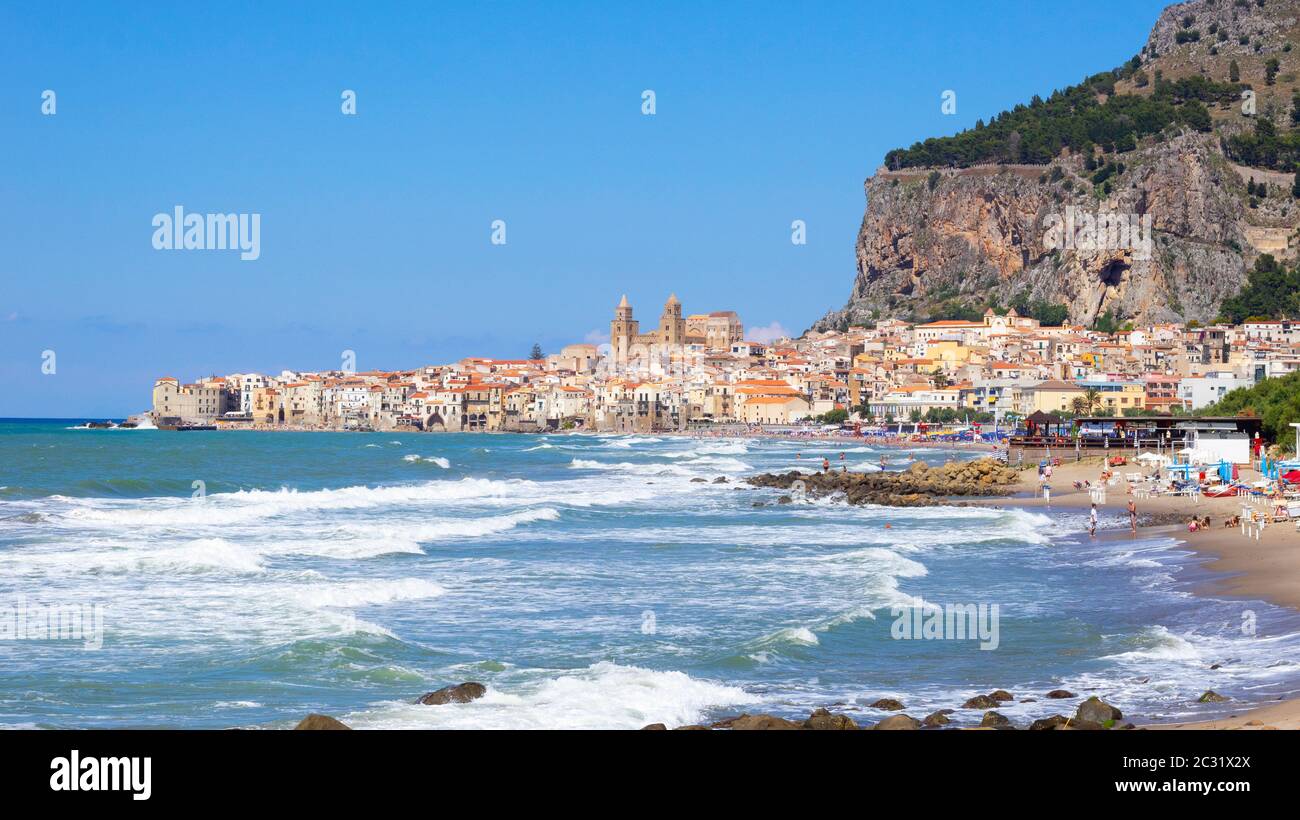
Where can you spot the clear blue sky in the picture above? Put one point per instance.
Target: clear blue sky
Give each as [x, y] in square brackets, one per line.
[375, 228]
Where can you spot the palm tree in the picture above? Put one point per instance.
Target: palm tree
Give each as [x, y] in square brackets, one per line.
[1092, 399]
[1079, 406]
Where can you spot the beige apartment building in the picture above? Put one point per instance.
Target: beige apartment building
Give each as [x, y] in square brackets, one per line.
[774, 410]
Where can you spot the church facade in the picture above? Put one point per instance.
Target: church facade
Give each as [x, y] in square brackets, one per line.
[669, 341]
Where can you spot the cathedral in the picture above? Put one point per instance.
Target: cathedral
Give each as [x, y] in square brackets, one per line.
[713, 331]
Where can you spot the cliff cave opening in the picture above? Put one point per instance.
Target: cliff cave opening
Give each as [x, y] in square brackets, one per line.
[1113, 274]
[1111, 277]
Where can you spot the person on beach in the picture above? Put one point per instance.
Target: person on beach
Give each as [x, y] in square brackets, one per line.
[1133, 516]
[1092, 521]
[826, 465]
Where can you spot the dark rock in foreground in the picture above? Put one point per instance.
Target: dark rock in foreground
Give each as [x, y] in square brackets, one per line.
[1047, 723]
[1080, 726]
[896, 722]
[748, 722]
[939, 718]
[1096, 710]
[460, 693]
[321, 722]
[822, 719]
[917, 486]
[996, 720]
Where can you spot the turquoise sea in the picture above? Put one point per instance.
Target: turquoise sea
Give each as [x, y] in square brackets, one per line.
[246, 579]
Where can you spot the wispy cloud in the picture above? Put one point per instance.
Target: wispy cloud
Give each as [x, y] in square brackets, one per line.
[596, 337]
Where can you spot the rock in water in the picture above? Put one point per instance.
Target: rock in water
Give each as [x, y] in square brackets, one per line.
[1212, 696]
[1001, 695]
[888, 704]
[749, 722]
[1080, 726]
[321, 722]
[822, 719]
[996, 720]
[1060, 693]
[896, 722]
[939, 718]
[1096, 710]
[980, 702]
[460, 693]
[917, 486]
[1042, 724]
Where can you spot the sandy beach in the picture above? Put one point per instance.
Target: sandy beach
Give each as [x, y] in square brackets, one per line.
[1266, 568]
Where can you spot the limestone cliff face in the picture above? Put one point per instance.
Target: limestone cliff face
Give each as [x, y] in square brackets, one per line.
[934, 238]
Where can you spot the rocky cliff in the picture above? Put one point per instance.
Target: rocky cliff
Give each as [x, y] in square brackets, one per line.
[1167, 235]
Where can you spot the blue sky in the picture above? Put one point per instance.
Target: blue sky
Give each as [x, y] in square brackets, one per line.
[375, 228]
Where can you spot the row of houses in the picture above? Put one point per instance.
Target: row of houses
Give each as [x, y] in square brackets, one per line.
[1005, 364]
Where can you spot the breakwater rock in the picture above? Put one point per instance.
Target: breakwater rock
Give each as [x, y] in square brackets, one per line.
[918, 485]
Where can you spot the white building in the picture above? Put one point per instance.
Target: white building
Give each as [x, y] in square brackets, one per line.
[1205, 390]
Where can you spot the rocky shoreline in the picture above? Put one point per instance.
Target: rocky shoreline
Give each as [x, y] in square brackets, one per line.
[1093, 714]
[919, 485]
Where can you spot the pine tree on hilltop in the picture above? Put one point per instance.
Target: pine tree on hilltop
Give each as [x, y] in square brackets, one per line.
[537, 354]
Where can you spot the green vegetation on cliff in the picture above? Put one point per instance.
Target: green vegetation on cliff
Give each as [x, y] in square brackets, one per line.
[1074, 119]
[1272, 291]
[1265, 147]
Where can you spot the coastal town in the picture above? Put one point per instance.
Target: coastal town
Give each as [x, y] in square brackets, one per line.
[696, 370]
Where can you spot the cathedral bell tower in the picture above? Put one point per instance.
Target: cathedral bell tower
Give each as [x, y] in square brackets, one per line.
[672, 327]
[622, 330]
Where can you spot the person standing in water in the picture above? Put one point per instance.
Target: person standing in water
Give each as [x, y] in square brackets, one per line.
[1133, 516]
[1092, 520]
